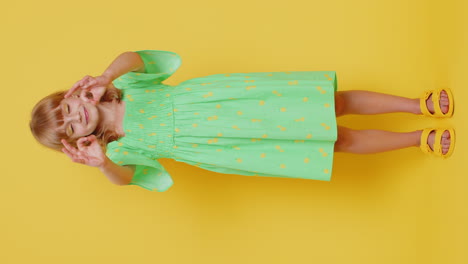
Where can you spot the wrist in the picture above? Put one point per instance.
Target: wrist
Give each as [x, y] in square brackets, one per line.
[109, 75]
[105, 164]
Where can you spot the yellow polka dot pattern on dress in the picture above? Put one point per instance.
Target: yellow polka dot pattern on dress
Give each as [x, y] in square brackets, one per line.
[273, 124]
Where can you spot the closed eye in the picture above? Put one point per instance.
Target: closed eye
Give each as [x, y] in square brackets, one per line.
[70, 130]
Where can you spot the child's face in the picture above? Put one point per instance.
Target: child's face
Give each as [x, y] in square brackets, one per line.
[80, 117]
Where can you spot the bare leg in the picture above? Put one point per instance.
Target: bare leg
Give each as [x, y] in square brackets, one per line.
[370, 103]
[375, 141]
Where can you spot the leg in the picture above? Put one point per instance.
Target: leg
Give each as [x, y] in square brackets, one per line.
[374, 141]
[370, 103]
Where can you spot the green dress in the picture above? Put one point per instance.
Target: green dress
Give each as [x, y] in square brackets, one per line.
[276, 124]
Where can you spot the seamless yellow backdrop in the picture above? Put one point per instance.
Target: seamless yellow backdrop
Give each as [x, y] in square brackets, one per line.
[394, 207]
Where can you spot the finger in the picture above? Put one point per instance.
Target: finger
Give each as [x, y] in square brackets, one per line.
[71, 91]
[70, 155]
[76, 86]
[83, 95]
[97, 93]
[91, 82]
[80, 143]
[85, 143]
[88, 141]
[77, 160]
[68, 146]
[85, 80]
[96, 97]
[92, 141]
[80, 82]
[73, 88]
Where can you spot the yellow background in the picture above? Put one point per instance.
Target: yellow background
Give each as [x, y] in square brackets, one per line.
[395, 207]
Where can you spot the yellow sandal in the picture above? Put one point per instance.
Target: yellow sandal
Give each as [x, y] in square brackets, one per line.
[438, 138]
[435, 100]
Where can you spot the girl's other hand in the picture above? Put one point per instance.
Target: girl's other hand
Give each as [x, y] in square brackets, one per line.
[92, 88]
[89, 151]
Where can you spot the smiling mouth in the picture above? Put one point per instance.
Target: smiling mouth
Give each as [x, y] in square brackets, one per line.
[86, 115]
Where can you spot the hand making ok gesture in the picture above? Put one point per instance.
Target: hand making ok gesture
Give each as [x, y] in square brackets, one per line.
[89, 151]
[92, 88]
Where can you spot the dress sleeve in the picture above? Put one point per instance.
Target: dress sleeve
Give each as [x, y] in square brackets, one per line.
[149, 173]
[159, 65]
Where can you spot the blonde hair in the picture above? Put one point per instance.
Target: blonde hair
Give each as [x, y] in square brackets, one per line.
[47, 121]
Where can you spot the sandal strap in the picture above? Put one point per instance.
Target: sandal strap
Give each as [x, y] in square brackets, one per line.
[423, 105]
[423, 142]
[438, 146]
[437, 142]
[451, 102]
[452, 143]
[436, 102]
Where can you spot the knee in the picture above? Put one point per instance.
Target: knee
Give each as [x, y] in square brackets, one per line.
[339, 103]
[345, 139]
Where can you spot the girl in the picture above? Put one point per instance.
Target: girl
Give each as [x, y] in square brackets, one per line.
[278, 124]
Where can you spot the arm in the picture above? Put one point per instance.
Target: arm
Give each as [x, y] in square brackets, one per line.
[120, 175]
[125, 62]
[91, 154]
